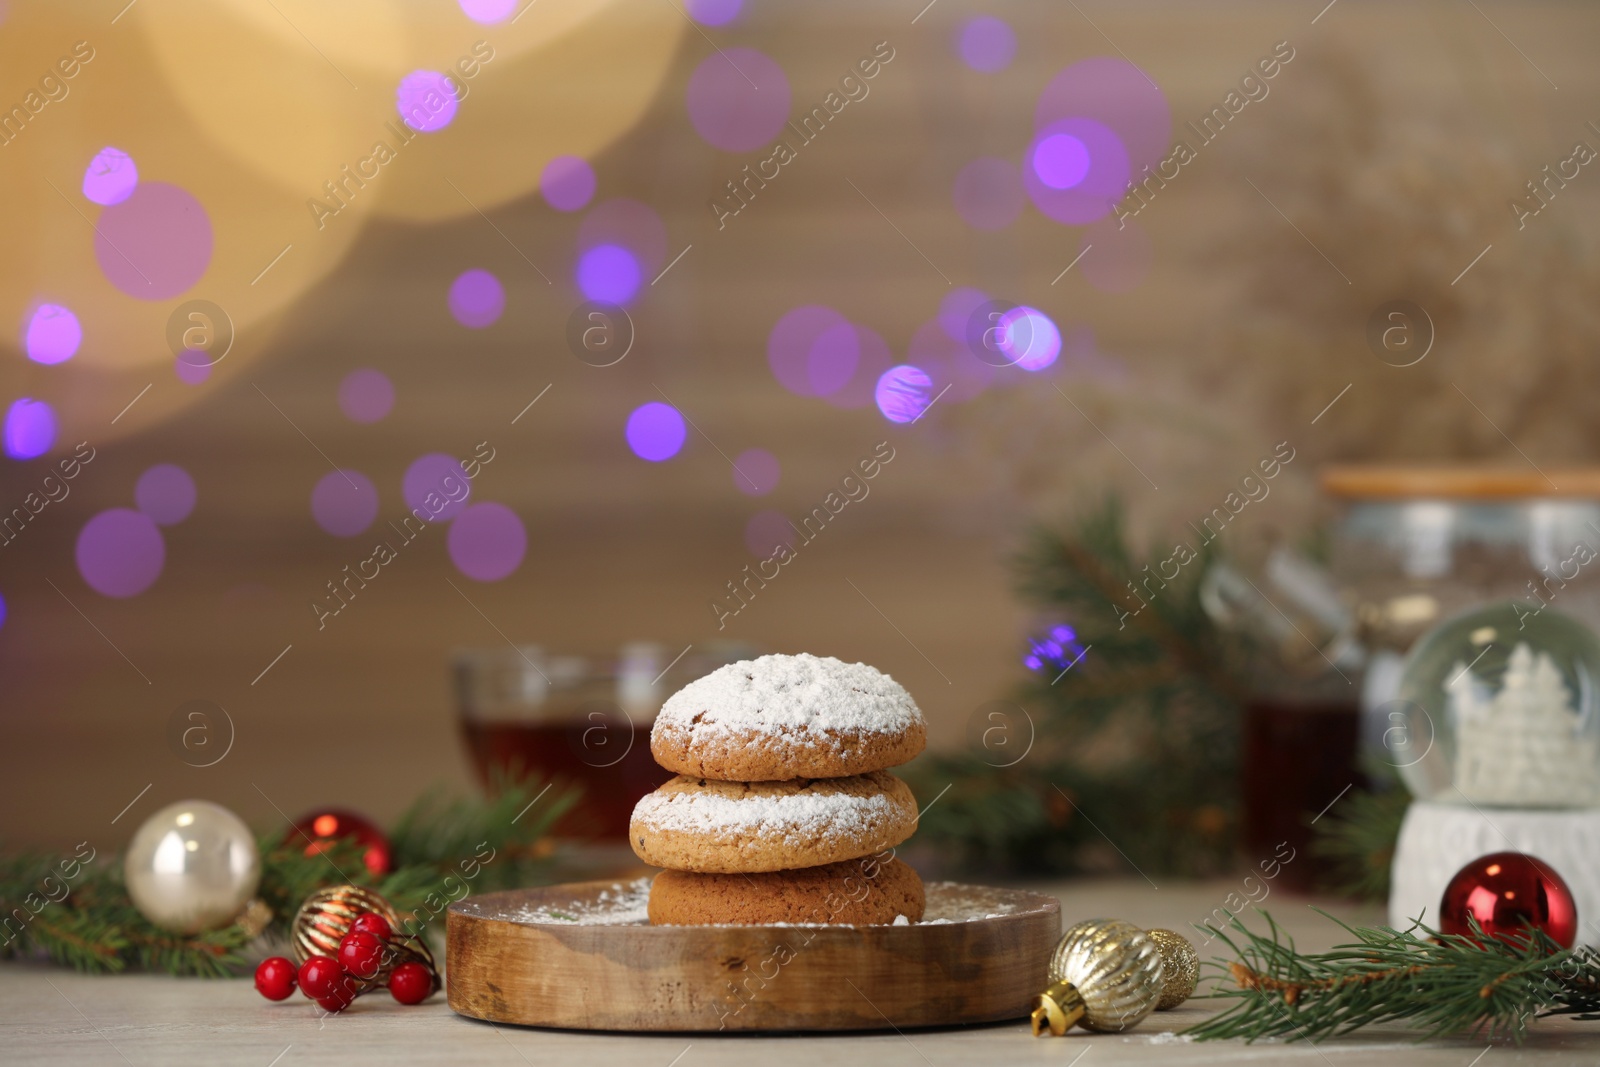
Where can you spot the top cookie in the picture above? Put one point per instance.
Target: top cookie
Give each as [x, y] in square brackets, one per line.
[781, 717]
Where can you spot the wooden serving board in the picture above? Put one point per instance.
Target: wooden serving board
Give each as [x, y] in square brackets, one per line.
[582, 956]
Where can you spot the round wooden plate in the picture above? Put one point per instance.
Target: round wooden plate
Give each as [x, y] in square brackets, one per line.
[582, 956]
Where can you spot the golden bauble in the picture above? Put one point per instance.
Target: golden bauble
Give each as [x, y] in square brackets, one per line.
[1180, 968]
[326, 915]
[1105, 974]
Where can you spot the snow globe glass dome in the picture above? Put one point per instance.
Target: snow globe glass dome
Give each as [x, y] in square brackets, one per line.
[1500, 706]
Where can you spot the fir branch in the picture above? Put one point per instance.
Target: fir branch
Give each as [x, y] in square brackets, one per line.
[1440, 983]
[1140, 735]
[1359, 841]
[94, 927]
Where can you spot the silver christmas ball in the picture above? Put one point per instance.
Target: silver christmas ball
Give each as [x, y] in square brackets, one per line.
[192, 866]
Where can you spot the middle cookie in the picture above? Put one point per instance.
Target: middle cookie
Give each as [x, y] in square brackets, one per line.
[699, 824]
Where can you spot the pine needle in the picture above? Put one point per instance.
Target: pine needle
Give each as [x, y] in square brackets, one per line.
[1439, 984]
[443, 849]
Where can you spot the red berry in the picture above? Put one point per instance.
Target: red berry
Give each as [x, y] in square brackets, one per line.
[361, 954]
[374, 924]
[337, 1001]
[275, 978]
[411, 983]
[318, 975]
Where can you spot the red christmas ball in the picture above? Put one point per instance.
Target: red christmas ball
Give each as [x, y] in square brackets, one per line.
[1508, 892]
[374, 924]
[320, 829]
[411, 983]
[275, 978]
[318, 976]
[361, 954]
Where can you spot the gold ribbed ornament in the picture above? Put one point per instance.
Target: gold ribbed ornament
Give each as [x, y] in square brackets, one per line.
[1105, 975]
[325, 917]
[1180, 968]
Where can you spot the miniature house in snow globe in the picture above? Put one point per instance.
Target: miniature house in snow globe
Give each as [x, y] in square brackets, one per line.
[1500, 707]
[1496, 732]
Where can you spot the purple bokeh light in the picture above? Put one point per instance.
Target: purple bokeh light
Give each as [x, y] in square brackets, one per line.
[1029, 338]
[487, 542]
[30, 428]
[2, 611]
[567, 183]
[766, 530]
[738, 99]
[192, 367]
[426, 100]
[120, 552]
[609, 273]
[813, 350]
[477, 299]
[713, 12]
[1052, 158]
[656, 431]
[53, 335]
[166, 493]
[1121, 256]
[756, 472]
[366, 395]
[629, 223]
[986, 44]
[903, 393]
[956, 309]
[437, 486]
[1060, 160]
[872, 359]
[110, 177]
[1118, 95]
[988, 193]
[832, 359]
[487, 12]
[1053, 652]
[344, 502]
[156, 243]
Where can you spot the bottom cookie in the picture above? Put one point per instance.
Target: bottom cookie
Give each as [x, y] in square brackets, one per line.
[865, 892]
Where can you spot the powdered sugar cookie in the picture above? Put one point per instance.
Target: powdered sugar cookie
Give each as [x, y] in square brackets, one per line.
[869, 891]
[699, 824]
[781, 717]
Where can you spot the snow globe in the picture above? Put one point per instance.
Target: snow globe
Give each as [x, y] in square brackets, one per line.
[1496, 732]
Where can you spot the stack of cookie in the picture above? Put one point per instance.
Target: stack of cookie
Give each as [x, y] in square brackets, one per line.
[783, 810]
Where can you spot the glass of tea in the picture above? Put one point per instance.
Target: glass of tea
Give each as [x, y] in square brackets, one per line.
[574, 720]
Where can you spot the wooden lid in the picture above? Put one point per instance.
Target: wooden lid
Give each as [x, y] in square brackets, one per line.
[1385, 482]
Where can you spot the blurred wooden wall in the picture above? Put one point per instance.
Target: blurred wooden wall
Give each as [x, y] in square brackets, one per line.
[360, 714]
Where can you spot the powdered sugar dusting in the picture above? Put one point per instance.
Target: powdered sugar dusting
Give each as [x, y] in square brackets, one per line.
[625, 904]
[753, 820]
[952, 902]
[778, 694]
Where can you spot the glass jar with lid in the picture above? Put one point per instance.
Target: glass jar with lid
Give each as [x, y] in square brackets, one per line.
[1414, 545]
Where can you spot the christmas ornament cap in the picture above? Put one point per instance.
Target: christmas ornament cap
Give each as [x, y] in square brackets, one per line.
[1060, 1005]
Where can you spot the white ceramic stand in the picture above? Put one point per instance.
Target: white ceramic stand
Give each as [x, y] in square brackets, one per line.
[1437, 840]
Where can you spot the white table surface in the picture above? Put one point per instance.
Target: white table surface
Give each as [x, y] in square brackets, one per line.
[49, 1015]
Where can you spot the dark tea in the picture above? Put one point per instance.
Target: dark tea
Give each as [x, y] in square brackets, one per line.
[606, 757]
[575, 721]
[1297, 759]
